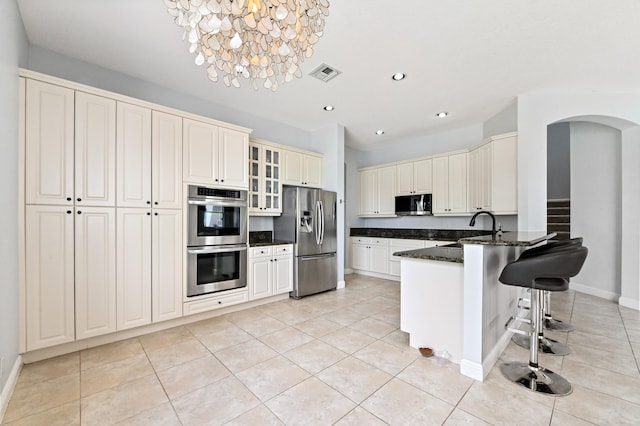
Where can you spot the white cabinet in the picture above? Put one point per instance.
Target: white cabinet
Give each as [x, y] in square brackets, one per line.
[493, 175]
[49, 141]
[377, 191]
[70, 147]
[95, 271]
[270, 270]
[396, 245]
[149, 278]
[214, 155]
[370, 254]
[95, 150]
[301, 169]
[149, 158]
[49, 276]
[450, 184]
[265, 190]
[414, 177]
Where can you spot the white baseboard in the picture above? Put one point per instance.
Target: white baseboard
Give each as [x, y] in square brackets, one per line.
[603, 294]
[340, 285]
[627, 302]
[377, 275]
[9, 386]
[471, 369]
[480, 371]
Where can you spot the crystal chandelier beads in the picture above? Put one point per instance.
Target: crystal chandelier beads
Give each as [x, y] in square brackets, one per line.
[257, 39]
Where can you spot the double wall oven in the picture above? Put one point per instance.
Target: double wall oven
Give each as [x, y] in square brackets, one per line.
[216, 240]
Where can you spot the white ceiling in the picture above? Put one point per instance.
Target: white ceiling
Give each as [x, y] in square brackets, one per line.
[468, 57]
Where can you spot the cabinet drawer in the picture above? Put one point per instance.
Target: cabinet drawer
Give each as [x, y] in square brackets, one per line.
[383, 242]
[215, 302]
[396, 242]
[360, 240]
[265, 251]
[285, 249]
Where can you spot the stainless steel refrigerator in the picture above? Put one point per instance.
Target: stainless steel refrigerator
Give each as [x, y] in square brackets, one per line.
[309, 220]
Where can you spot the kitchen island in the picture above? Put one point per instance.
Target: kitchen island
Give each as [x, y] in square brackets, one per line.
[452, 300]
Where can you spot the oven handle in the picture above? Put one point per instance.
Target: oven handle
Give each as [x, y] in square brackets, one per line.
[217, 249]
[217, 203]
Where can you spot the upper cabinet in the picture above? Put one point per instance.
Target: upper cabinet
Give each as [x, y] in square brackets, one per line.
[215, 155]
[450, 184]
[70, 147]
[265, 190]
[493, 175]
[377, 191]
[415, 177]
[301, 169]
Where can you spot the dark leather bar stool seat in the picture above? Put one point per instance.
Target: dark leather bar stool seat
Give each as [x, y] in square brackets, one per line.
[544, 271]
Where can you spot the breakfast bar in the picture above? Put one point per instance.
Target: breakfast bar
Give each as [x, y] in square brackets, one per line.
[451, 299]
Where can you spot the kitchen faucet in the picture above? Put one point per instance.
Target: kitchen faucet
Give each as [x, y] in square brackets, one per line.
[493, 220]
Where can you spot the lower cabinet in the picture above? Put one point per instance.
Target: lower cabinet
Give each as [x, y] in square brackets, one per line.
[270, 270]
[70, 275]
[370, 254]
[149, 266]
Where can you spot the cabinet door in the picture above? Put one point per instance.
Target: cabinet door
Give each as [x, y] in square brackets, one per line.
[134, 268]
[368, 191]
[405, 179]
[50, 317]
[233, 151]
[49, 144]
[458, 183]
[292, 168]
[379, 259]
[440, 185]
[505, 177]
[95, 271]
[271, 168]
[422, 177]
[386, 190]
[261, 276]
[474, 176]
[255, 178]
[283, 274]
[360, 257]
[200, 152]
[485, 181]
[166, 160]
[134, 155]
[95, 150]
[166, 264]
[312, 168]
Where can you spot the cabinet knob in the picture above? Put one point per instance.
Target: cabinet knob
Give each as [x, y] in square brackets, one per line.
[148, 213]
[79, 199]
[221, 180]
[216, 180]
[68, 211]
[156, 213]
[79, 212]
[68, 198]
[219, 302]
[148, 202]
[156, 203]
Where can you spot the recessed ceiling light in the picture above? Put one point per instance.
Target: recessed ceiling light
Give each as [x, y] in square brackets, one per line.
[442, 114]
[398, 76]
[328, 108]
[380, 132]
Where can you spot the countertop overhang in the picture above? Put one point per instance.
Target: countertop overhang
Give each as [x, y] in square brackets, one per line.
[515, 238]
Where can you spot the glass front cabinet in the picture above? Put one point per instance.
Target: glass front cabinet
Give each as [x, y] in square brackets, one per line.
[265, 190]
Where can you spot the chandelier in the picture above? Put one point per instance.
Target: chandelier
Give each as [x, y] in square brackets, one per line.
[264, 40]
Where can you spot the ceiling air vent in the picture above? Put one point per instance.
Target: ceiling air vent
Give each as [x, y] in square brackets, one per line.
[325, 73]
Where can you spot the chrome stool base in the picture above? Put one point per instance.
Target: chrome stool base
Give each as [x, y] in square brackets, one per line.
[536, 379]
[556, 325]
[545, 345]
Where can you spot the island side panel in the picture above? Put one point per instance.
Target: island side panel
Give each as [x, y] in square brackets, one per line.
[431, 304]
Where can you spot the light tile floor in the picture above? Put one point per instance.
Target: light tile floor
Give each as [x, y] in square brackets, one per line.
[334, 358]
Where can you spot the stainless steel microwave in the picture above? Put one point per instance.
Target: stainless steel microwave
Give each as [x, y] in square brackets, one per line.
[413, 205]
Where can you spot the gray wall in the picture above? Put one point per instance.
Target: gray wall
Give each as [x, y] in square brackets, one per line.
[559, 161]
[13, 51]
[503, 122]
[596, 203]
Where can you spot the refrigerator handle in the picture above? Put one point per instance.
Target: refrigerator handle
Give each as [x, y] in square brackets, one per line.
[318, 221]
[322, 223]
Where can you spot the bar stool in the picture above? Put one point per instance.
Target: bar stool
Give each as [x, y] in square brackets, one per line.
[551, 323]
[545, 271]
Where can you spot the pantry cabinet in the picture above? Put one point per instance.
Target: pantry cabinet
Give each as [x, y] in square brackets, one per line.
[377, 191]
[270, 270]
[265, 190]
[414, 177]
[167, 250]
[301, 169]
[215, 156]
[450, 184]
[149, 146]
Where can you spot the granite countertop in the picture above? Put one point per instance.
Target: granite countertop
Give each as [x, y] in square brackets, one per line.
[449, 253]
[264, 238]
[515, 238]
[416, 234]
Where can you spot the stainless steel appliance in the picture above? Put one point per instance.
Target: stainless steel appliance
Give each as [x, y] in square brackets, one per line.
[413, 205]
[216, 240]
[309, 220]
